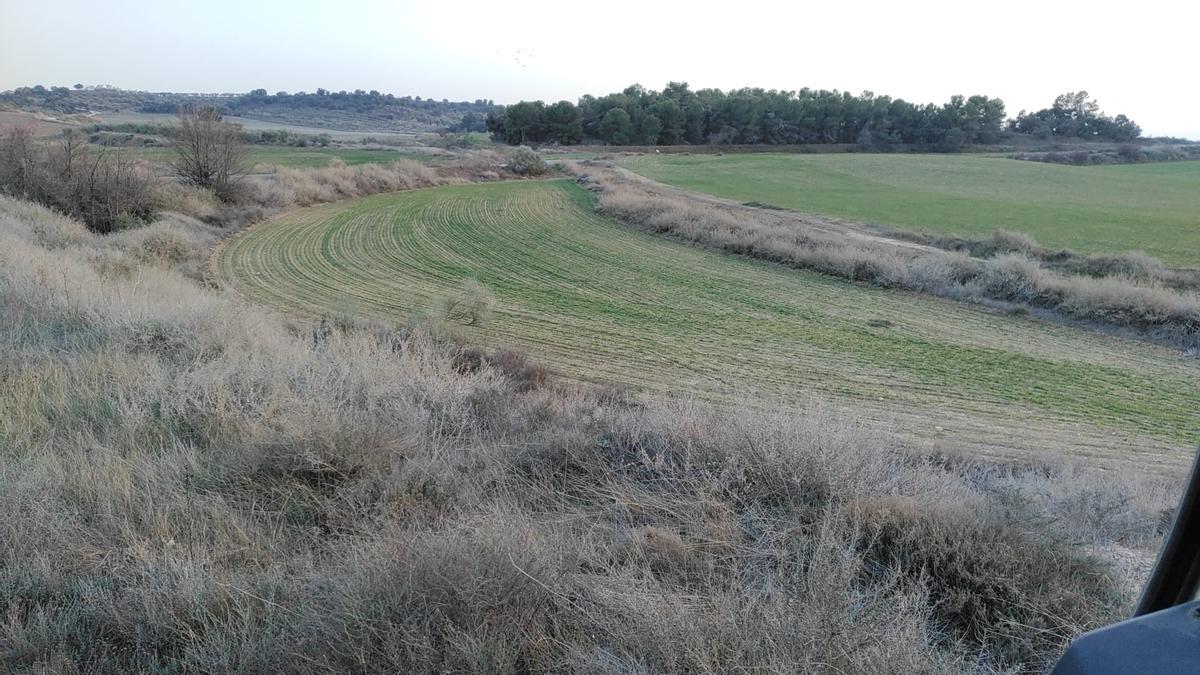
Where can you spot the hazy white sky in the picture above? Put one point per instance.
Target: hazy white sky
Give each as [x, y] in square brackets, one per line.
[1136, 58]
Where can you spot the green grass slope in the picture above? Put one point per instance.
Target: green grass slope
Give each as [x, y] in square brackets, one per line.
[598, 300]
[1152, 207]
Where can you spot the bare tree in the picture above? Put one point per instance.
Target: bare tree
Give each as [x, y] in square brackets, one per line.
[209, 152]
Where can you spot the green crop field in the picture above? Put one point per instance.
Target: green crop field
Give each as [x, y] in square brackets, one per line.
[600, 301]
[261, 157]
[1152, 207]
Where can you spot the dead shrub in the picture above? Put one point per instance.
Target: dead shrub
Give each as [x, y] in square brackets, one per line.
[189, 200]
[974, 566]
[519, 369]
[469, 306]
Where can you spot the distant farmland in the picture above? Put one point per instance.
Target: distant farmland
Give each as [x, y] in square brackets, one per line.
[1152, 207]
[600, 301]
[293, 157]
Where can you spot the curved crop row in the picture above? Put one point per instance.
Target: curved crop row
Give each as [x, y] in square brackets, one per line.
[597, 300]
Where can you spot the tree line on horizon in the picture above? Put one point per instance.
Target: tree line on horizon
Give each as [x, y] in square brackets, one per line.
[83, 99]
[750, 116]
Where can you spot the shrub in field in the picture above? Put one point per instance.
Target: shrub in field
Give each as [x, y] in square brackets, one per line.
[524, 161]
[471, 305]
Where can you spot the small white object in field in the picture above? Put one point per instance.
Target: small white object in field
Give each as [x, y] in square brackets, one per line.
[938, 429]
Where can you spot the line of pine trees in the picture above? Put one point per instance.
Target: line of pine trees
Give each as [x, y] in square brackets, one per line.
[678, 115]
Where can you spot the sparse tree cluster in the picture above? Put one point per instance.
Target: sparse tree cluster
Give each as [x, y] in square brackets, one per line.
[1076, 115]
[678, 115]
[103, 188]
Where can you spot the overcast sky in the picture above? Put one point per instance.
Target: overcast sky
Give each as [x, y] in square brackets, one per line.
[1135, 58]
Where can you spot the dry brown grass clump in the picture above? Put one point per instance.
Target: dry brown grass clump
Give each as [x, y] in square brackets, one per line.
[286, 187]
[1135, 265]
[192, 484]
[304, 187]
[1132, 293]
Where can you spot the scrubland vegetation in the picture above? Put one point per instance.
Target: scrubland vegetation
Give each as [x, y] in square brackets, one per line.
[191, 483]
[1125, 153]
[210, 163]
[378, 481]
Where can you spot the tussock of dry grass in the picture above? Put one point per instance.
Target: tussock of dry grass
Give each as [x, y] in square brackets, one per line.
[287, 187]
[304, 187]
[1132, 292]
[192, 484]
[1132, 265]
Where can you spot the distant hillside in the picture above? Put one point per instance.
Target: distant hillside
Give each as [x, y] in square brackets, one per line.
[349, 111]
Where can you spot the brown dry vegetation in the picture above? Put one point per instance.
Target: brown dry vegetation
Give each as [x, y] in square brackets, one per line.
[192, 484]
[285, 187]
[1131, 293]
[108, 190]
[1135, 265]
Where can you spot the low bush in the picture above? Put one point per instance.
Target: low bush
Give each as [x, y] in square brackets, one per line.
[524, 161]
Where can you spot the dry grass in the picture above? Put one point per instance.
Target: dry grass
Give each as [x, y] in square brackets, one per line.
[1132, 293]
[192, 484]
[1134, 265]
[286, 187]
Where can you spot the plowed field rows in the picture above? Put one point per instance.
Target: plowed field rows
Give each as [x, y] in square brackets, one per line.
[597, 300]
